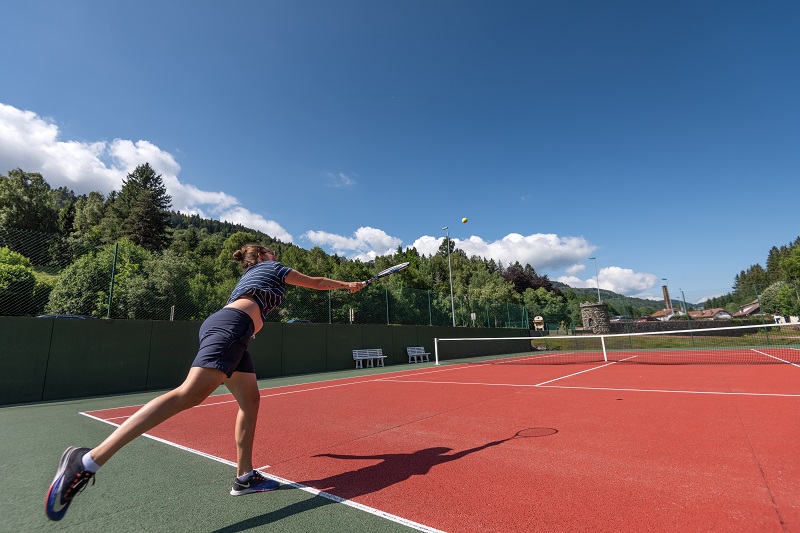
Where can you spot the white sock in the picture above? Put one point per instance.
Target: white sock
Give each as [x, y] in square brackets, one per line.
[89, 464]
[246, 476]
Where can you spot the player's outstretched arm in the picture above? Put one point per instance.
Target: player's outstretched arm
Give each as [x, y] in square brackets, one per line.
[322, 284]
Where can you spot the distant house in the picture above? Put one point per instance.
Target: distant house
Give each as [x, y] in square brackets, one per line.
[666, 314]
[753, 308]
[710, 314]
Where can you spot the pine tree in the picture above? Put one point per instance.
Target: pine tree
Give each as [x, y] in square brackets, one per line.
[143, 207]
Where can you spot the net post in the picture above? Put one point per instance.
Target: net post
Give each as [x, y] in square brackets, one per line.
[436, 351]
[603, 344]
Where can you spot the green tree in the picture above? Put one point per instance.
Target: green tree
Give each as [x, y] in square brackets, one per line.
[146, 223]
[89, 211]
[10, 257]
[518, 276]
[164, 282]
[774, 270]
[227, 267]
[143, 208]
[17, 284]
[186, 240]
[768, 297]
[781, 298]
[790, 264]
[747, 283]
[206, 296]
[110, 226]
[446, 243]
[83, 287]
[788, 299]
[25, 202]
[66, 219]
[550, 306]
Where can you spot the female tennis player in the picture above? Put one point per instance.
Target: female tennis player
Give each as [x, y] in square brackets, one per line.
[222, 358]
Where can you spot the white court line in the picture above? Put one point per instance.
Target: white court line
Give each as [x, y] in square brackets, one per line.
[396, 379]
[581, 372]
[460, 383]
[544, 386]
[777, 358]
[169, 443]
[311, 490]
[719, 393]
[401, 378]
[361, 507]
[508, 384]
[372, 380]
[212, 404]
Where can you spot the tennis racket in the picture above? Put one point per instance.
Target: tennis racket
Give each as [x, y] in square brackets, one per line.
[388, 272]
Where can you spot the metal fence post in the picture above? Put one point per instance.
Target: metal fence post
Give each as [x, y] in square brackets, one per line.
[430, 311]
[111, 289]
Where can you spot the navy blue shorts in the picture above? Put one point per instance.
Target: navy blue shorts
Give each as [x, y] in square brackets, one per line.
[224, 337]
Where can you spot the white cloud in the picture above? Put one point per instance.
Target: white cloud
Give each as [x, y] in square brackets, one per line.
[573, 281]
[365, 244]
[575, 269]
[547, 253]
[625, 280]
[31, 142]
[339, 179]
[617, 279]
[240, 215]
[542, 251]
[702, 298]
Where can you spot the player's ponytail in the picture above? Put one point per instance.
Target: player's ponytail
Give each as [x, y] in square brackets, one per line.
[247, 255]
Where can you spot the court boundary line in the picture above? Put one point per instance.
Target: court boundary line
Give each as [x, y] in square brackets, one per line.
[356, 380]
[777, 358]
[393, 377]
[397, 377]
[336, 499]
[544, 386]
[677, 391]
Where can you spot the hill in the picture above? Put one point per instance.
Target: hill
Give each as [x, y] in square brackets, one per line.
[620, 304]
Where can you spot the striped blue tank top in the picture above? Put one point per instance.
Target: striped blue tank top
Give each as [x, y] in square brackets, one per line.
[263, 281]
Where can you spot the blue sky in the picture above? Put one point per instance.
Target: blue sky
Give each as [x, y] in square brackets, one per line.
[662, 138]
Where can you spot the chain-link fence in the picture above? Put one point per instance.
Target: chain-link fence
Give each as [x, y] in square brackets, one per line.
[43, 274]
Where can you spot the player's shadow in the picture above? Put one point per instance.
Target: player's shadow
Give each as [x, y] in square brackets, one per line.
[392, 468]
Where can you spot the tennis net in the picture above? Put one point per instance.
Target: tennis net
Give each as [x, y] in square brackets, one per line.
[769, 343]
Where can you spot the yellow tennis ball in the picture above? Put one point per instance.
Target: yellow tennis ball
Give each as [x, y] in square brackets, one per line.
[464, 220]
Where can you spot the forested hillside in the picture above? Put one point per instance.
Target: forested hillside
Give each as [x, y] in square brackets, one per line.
[58, 249]
[776, 287]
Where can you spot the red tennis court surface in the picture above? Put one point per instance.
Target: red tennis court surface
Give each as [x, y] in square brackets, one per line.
[616, 448]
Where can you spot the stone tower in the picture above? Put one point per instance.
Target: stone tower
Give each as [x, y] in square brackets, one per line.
[595, 317]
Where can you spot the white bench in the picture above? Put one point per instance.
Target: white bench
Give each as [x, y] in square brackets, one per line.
[373, 357]
[417, 354]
